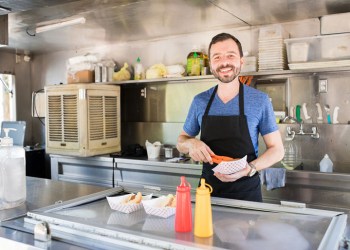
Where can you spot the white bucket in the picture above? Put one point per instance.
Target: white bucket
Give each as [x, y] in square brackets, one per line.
[153, 149]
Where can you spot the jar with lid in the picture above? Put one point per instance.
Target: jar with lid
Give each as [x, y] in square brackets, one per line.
[12, 173]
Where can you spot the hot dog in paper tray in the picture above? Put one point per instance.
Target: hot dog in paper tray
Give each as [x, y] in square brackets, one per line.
[127, 203]
[228, 165]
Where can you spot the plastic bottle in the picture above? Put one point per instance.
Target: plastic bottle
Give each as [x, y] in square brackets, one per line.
[326, 164]
[13, 189]
[203, 221]
[195, 62]
[183, 214]
[139, 72]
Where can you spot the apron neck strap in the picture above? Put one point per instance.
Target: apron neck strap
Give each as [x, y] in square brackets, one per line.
[241, 100]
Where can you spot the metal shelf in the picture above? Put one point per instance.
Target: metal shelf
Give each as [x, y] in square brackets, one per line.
[259, 73]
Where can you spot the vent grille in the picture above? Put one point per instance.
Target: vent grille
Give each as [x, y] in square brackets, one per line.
[55, 118]
[103, 112]
[111, 117]
[70, 118]
[63, 121]
[96, 117]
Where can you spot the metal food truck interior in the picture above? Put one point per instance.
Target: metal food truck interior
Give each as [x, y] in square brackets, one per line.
[67, 74]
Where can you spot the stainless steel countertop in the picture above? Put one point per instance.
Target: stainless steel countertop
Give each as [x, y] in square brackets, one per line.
[45, 192]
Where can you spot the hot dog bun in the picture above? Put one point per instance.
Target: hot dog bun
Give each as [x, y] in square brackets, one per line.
[134, 198]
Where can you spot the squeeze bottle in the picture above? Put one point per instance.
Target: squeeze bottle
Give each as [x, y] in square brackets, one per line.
[13, 189]
[326, 164]
[183, 213]
[203, 222]
[139, 72]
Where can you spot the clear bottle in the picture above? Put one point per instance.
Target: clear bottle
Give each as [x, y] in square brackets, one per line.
[203, 221]
[13, 190]
[139, 72]
[292, 155]
[183, 214]
[326, 164]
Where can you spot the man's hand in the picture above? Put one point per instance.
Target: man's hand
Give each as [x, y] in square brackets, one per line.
[197, 149]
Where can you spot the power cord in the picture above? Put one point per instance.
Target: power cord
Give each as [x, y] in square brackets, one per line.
[34, 105]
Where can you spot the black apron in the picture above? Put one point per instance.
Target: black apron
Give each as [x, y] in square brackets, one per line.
[229, 136]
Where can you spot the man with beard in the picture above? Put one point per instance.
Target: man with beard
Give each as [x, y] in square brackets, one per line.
[230, 117]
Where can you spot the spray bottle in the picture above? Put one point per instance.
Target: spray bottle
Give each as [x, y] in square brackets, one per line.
[12, 173]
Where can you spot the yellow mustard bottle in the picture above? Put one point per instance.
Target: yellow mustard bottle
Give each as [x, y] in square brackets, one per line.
[203, 221]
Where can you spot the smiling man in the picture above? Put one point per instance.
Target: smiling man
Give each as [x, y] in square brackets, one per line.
[230, 117]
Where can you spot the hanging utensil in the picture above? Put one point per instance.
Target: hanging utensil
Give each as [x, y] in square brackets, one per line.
[319, 111]
[297, 113]
[335, 115]
[327, 108]
[306, 116]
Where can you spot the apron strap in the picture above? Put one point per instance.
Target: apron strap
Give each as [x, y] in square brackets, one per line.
[241, 99]
[210, 100]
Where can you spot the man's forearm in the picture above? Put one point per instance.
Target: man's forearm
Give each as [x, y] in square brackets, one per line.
[268, 158]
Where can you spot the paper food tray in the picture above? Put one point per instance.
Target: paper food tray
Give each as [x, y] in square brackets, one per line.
[158, 225]
[117, 203]
[231, 167]
[117, 218]
[154, 207]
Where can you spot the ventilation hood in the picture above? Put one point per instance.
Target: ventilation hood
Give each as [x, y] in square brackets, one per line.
[111, 21]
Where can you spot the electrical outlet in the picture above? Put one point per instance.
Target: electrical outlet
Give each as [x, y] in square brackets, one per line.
[322, 86]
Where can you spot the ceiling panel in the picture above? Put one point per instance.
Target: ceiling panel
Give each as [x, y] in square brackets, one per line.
[111, 21]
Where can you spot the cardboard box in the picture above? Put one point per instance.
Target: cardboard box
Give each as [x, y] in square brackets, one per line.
[83, 76]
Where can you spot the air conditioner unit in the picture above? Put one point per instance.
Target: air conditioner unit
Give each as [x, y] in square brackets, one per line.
[82, 119]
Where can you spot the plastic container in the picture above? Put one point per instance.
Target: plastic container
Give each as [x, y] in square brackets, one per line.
[318, 48]
[326, 164]
[13, 189]
[203, 221]
[183, 213]
[139, 72]
[195, 62]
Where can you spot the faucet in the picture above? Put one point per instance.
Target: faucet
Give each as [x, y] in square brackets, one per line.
[290, 133]
[295, 120]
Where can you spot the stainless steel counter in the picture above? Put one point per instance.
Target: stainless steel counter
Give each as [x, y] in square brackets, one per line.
[44, 192]
[88, 222]
[315, 189]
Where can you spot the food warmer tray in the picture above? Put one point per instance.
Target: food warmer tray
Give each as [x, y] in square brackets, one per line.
[237, 225]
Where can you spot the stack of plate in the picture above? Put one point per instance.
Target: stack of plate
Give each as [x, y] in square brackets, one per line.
[272, 49]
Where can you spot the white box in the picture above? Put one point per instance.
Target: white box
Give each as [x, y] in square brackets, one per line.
[275, 31]
[337, 23]
[335, 47]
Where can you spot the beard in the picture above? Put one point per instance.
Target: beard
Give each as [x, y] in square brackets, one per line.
[228, 78]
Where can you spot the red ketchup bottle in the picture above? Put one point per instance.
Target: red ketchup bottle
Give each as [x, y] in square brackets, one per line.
[183, 214]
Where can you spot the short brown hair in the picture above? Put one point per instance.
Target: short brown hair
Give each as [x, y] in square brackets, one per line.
[223, 37]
